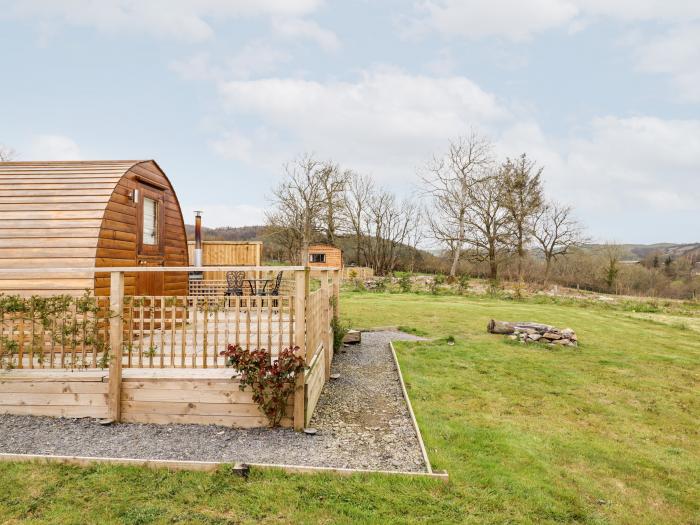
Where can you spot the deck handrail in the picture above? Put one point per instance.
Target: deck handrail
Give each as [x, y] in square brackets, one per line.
[110, 269]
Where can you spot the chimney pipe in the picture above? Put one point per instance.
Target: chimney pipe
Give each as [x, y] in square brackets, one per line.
[197, 276]
[198, 238]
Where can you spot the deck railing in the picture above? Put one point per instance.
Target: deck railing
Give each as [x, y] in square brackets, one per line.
[173, 331]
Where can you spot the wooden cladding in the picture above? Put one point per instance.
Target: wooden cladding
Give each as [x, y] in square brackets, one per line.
[226, 253]
[82, 215]
[325, 256]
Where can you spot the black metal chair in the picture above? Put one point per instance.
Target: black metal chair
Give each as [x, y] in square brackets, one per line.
[234, 282]
[275, 291]
[276, 288]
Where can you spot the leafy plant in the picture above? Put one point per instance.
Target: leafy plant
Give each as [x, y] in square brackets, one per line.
[340, 330]
[435, 284]
[405, 283]
[272, 382]
[68, 321]
[463, 283]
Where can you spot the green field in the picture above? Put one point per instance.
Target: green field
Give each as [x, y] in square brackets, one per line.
[606, 433]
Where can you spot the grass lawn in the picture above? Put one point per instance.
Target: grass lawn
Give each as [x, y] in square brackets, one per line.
[607, 433]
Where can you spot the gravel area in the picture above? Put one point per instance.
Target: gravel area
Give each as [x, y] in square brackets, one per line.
[361, 420]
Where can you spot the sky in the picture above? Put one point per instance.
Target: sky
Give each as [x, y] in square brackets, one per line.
[603, 94]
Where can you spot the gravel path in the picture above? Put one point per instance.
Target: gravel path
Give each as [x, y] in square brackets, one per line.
[361, 418]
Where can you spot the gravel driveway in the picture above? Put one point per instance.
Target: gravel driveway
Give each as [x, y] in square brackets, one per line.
[361, 419]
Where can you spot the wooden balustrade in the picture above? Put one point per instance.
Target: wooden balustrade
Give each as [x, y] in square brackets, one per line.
[184, 332]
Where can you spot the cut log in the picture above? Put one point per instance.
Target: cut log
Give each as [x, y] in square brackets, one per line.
[507, 327]
[500, 327]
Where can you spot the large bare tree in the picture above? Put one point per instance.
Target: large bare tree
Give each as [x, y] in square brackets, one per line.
[334, 182]
[448, 180]
[487, 225]
[357, 194]
[523, 199]
[298, 206]
[387, 224]
[555, 232]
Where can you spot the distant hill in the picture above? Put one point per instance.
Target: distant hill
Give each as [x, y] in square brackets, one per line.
[637, 252]
[228, 233]
[631, 252]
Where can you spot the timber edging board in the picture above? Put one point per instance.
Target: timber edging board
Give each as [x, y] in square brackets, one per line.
[424, 452]
[204, 466]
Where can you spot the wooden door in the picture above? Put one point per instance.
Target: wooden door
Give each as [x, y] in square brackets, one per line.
[151, 244]
[150, 283]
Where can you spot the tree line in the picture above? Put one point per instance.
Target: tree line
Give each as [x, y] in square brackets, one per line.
[318, 201]
[468, 204]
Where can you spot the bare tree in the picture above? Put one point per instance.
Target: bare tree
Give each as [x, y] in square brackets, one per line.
[334, 182]
[416, 234]
[6, 153]
[298, 206]
[357, 195]
[555, 232]
[522, 198]
[448, 181]
[387, 224]
[487, 224]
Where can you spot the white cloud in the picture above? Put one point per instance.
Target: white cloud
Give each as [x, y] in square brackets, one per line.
[514, 19]
[387, 120]
[632, 164]
[53, 147]
[308, 29]
[186, 19]
[521, 19]
[254, 59]
[676, 53]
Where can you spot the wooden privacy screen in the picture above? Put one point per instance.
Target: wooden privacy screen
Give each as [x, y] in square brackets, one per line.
[227, 253]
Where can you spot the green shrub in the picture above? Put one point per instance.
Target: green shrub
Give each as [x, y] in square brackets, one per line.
[340, 330]
[437, 281]
[463, 282]
[405, 283]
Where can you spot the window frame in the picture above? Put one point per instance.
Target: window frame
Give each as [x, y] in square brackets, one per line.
[322, 256]
[159, 198]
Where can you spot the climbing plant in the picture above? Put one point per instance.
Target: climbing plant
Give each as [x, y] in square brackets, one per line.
[29, 324]
[271, 381]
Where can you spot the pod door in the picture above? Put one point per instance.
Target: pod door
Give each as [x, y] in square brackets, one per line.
[151, 244]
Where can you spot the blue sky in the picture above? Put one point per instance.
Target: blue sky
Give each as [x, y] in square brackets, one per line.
[604, 94]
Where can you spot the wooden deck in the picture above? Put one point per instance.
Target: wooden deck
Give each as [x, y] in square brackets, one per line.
[156, 359]
[157, 395]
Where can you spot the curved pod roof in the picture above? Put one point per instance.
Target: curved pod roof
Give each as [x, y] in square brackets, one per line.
[51, 216]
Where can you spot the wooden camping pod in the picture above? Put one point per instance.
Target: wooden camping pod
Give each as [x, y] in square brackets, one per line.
[325, 256]
[89, 215]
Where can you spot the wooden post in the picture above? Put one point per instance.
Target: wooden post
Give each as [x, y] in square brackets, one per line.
[336, 293]
[326, 323]
[116, 304]
[301, 295]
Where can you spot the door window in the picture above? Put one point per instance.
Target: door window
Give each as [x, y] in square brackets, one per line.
[150, 222]
[151, 217]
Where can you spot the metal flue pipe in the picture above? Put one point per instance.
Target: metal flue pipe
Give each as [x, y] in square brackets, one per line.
[198, 238]
[197, 245]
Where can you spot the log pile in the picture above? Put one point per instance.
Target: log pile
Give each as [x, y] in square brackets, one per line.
[528, 332]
